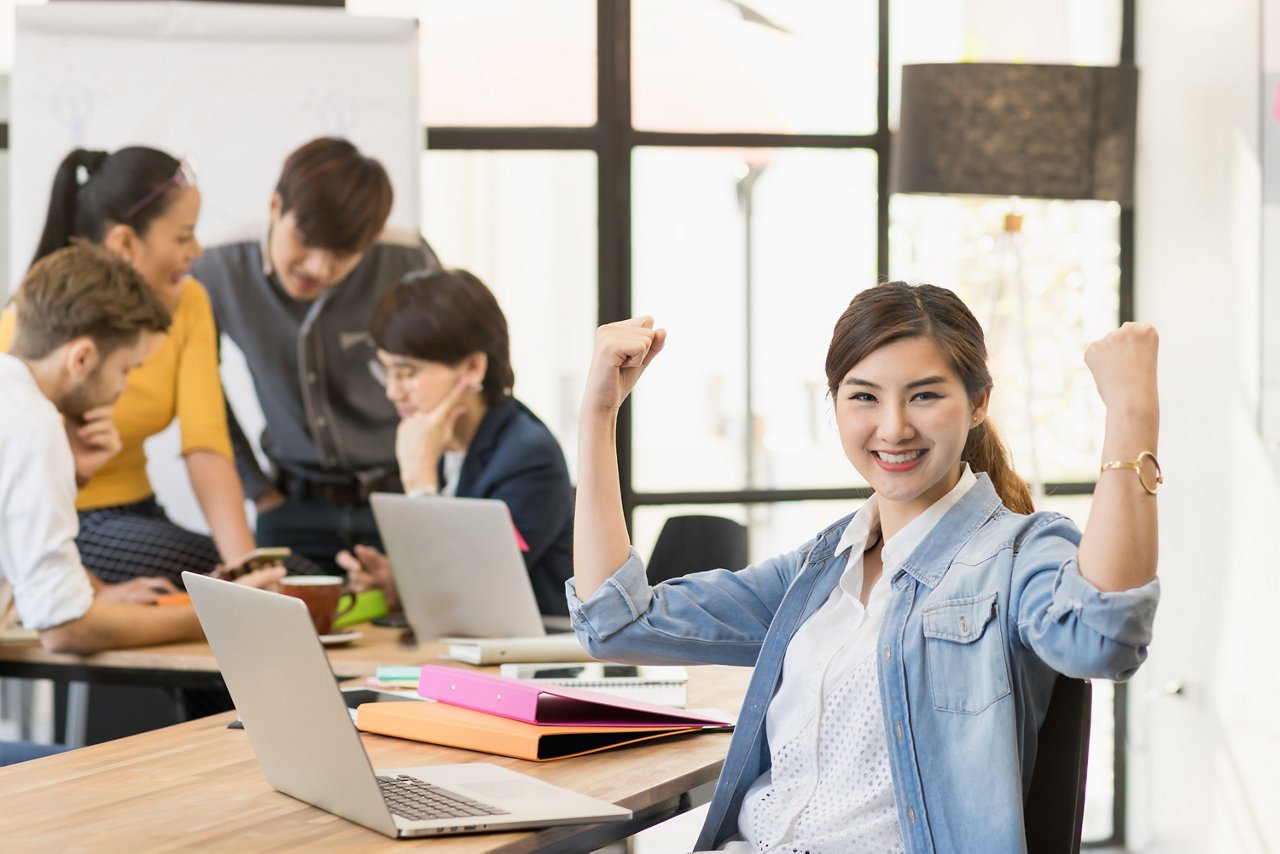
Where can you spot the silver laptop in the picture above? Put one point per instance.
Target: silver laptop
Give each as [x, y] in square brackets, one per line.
[301, 732]
[457, 567]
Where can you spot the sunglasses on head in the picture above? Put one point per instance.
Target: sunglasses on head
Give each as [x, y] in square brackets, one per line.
[183, 176]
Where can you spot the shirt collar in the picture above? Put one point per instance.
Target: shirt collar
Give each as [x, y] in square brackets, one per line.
[865, 521]
[858, 531]
[929, 563]
[13, 366]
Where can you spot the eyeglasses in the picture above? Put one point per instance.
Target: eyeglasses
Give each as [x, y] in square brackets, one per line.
[395, 375]
[183, 176]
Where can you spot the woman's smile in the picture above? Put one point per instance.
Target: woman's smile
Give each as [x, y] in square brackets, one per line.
[899, 461]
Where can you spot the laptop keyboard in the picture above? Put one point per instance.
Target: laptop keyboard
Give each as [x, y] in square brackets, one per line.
[411, 798]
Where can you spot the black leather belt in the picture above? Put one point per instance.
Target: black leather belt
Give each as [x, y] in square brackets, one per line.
[297, 488]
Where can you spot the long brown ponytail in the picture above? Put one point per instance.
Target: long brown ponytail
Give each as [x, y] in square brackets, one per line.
[984, 450]
[895, 310]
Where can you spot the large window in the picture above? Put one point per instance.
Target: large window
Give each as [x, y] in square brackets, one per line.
[523, 221]
[746, 257]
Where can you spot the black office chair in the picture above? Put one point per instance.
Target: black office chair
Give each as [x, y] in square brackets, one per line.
[694, 543]
[1054, 809]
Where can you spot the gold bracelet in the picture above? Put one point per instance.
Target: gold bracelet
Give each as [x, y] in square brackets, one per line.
[1136, 465]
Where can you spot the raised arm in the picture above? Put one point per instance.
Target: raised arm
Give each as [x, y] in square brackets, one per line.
[1118, 550]
[601, 543]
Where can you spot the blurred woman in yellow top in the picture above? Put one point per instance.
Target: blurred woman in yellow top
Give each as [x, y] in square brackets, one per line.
[143, 204]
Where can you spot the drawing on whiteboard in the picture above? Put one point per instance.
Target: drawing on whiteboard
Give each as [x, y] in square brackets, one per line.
[73, 107]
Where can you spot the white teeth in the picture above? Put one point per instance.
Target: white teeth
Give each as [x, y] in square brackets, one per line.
[898, 458]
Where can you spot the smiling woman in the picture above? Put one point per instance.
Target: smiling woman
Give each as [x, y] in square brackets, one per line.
[164, 250]
[143, 205]
[943, 607]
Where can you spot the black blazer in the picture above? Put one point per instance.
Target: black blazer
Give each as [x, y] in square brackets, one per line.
[514, 458]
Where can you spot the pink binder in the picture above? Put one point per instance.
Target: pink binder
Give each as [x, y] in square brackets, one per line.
[537, 703]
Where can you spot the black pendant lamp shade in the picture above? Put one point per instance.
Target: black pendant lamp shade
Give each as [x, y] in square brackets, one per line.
[1046, 131]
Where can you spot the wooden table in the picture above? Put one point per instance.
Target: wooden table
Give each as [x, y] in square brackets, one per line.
[197, 785]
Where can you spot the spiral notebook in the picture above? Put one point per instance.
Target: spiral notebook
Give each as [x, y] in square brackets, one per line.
[664, 686]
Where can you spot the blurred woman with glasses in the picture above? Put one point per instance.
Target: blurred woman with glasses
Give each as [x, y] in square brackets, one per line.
[444, 358]
[142, 204]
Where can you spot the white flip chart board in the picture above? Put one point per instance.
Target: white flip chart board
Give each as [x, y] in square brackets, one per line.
[233, 88]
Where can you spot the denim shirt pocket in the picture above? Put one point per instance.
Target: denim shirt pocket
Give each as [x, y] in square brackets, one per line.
[965, 649]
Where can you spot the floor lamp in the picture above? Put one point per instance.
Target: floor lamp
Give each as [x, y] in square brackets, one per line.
[1017, 130]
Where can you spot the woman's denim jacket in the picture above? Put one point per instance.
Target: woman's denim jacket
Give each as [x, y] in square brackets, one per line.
[984, 614]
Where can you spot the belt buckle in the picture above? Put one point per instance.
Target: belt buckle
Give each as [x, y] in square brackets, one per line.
[341, 493]
[294, 488]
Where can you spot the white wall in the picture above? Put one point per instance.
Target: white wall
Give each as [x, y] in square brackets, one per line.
[1204, 764]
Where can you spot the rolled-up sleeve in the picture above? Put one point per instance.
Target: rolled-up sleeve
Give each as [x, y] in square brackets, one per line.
[617, 603]
[1072, 626]
[713, 617]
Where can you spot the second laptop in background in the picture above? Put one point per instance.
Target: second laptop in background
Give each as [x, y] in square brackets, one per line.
[457, 566]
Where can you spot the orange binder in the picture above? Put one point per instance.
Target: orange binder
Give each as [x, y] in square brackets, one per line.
[451, 726]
